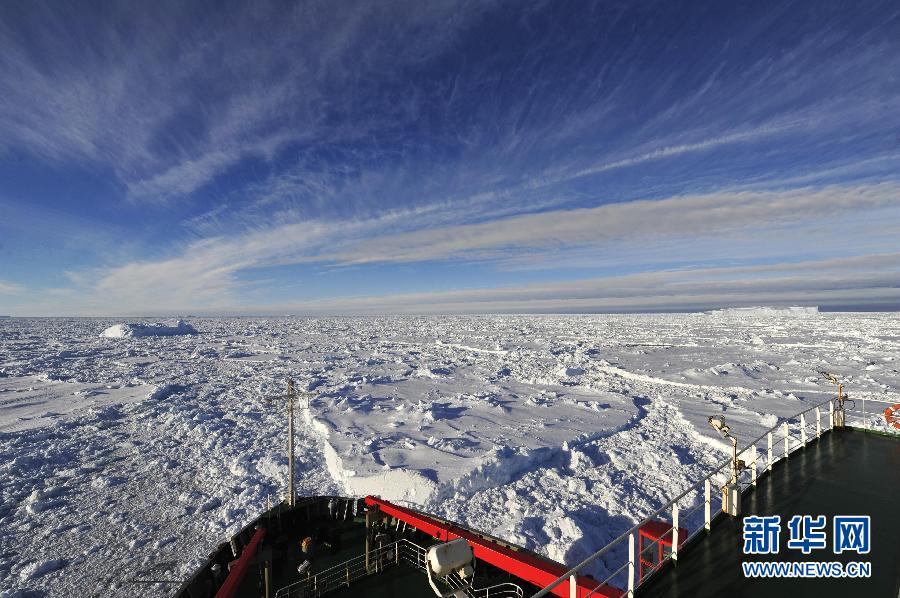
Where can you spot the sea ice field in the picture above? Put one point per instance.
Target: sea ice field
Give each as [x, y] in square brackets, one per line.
[127, 457]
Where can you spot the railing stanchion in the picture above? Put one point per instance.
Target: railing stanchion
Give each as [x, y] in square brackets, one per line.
[771, 454]
[630, 565]
[803, 429]
[787, 441]
[818, 422]
[865, 427]
[675, 531]
[830, 415]
[573, 587]
[754, 467]
[706, 507]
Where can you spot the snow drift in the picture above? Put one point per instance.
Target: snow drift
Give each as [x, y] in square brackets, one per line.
[136, 330]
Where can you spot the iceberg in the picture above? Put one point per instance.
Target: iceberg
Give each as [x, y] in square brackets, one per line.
[132, 330]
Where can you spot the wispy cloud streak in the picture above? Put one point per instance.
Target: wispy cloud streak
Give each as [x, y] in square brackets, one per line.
[698, 216]
[8, 288]
[864, 281]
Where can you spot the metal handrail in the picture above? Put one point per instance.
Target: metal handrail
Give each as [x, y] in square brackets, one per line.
[500, 590]
[590, 559]
[342, 574]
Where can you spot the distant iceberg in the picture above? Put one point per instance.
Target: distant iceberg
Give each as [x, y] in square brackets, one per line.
[136, 330]
[765, 311]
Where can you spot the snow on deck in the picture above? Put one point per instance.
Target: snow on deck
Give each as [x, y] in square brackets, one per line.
[132, 459]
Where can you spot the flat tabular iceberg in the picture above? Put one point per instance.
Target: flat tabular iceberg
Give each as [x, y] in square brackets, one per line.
[133, 330]
[765, 311]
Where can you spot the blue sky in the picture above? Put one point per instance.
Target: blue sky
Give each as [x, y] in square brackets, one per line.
[380, 157]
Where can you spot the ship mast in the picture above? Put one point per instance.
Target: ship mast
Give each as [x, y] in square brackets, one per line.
[290, 414]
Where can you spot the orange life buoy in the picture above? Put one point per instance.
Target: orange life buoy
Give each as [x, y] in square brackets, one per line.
[892, 415]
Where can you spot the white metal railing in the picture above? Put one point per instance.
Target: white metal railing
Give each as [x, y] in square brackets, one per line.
[343, 574]
[501, 590]
[402, 551]
[781, 440]
[868, 413]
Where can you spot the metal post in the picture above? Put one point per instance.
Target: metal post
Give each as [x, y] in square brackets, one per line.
[787, 441]
[675, 531]
[803, 428]
[267, 579]
[771, 455]
[370, 521]
[734, 461]
[706, 507]
[754, 467]
[630, 565]
[864, 414]
[818, 422]
[831, 415]
[291, 494]
[573, 587]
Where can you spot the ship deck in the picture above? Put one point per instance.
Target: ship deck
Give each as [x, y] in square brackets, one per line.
[848, 472]
[348, 538]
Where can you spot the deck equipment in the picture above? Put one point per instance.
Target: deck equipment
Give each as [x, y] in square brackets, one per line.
[655, 545]
[455, 556]
[731, 493]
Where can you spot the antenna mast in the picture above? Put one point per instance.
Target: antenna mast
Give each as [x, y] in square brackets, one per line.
[290, 414]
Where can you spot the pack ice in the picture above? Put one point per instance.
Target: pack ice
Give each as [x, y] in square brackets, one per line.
[125, 461]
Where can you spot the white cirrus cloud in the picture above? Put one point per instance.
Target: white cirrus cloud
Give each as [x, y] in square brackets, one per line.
[867, 281]
[692, 215]
[207, 274]
[10, 288]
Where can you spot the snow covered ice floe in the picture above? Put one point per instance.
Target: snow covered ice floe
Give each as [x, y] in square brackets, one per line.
[34, 401]
[131, 330]
[414, 439]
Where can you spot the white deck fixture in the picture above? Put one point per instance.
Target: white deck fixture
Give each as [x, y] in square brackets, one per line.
[455, 556]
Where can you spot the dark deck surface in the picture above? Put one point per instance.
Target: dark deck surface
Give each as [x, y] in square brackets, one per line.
[848, 472]
[402, 580]
[399, 582]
